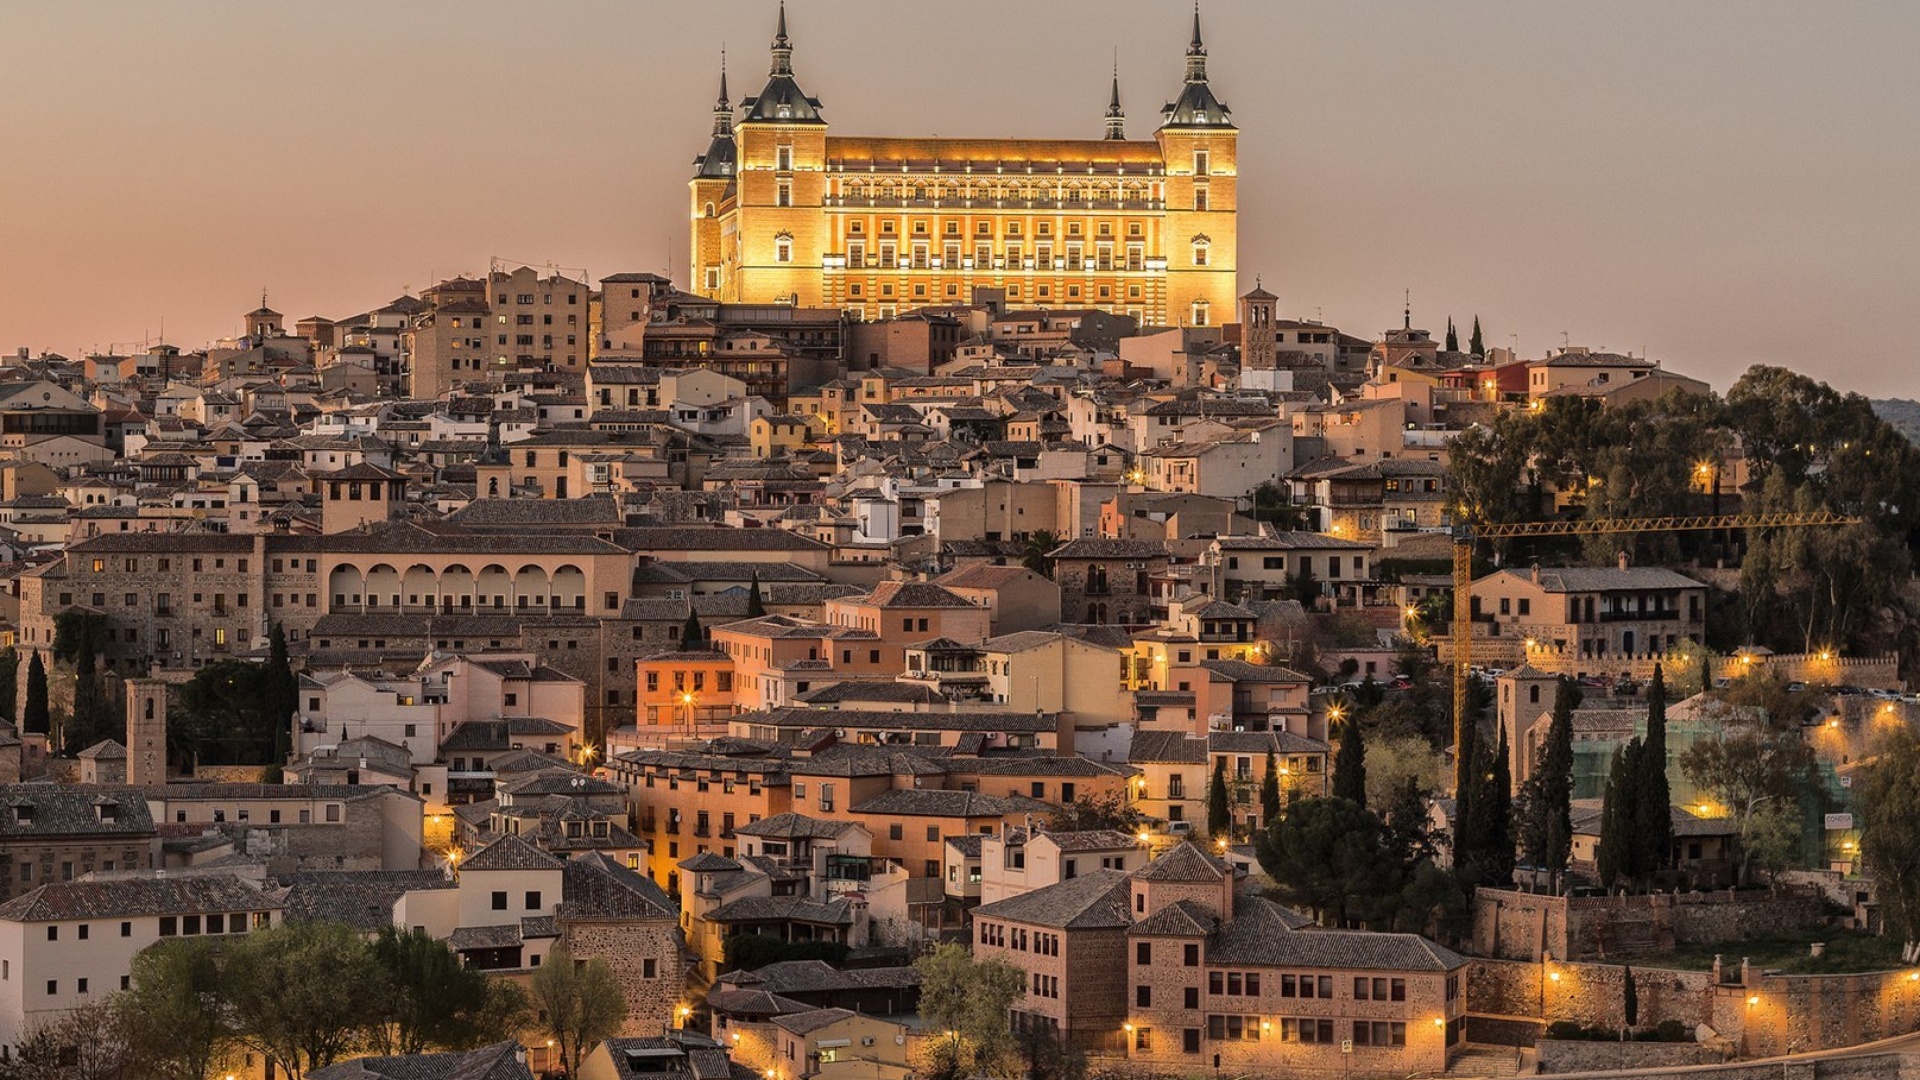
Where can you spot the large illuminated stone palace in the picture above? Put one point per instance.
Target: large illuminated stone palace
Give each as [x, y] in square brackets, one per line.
[786, 213]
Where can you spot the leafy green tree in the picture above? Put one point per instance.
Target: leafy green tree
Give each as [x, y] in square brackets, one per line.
[1409, 831]
[965, 1003]
[1306, 588]
[756, 604]
[1219, 814]
[1886, 794]
[1743, 768]
[36, 716]
[435, 1002]
[1036, 554]
[298, 994]
[1350, 764]
[9, 684]
[1773, 839]
[1330, 857]
[1270, 789]
[173, 1008]
[581, 1001]
[1107, 810]
[228, 714]
[1474, 344]
[74, 627]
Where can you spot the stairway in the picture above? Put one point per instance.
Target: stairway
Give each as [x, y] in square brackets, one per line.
[1478, 1060]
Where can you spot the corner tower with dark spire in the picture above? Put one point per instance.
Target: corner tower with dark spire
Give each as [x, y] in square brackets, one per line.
[1116, 116]
[1201, 148]
[713, 192]
[779, 193]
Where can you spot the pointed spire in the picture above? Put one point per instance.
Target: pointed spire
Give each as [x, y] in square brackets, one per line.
[1116, 116]
[782, 47]
[723, 106]
[1196, 51]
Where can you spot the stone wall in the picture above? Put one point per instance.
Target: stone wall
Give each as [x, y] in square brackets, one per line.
[230, 774]
[1890, 1066]
[1760, 1013]
[1514, 925]
[1591, 995]
[627, 945]
[1570, 1055]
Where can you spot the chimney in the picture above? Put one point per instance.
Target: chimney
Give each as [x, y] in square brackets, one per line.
[1623, 560]
[1536, 573]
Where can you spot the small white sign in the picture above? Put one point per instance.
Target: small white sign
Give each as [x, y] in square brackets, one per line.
[1839, 821]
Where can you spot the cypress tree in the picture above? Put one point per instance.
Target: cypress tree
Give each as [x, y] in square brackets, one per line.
[36, 716]
[1608, 858]
[1453, 336]
[92, 713]
[1655, 825]
[1556, 785]
[1270, 790]
[691, 633]
[9, 685]
[1474, 344]
[1630, 998]
[1219, 817]
[1496, 811]
[284, 688]
[1465, 834]
[756, 606]
[1350, 766]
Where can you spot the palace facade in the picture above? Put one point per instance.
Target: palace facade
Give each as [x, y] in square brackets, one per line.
[785, 213]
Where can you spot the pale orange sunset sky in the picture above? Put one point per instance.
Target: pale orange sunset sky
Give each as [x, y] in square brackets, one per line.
[1718, 182]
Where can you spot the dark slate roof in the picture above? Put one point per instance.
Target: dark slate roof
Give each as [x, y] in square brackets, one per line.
[677, 1053]
[28, 810]
[861, 690]
[511, 853]
[363, 899]
[812, 1020]
[1163, 747]
[1093, 901]
[713, 538]
[503, 936]
[122, 898]
[1182, 918]
[756, 909]
[497, 1062]
[790, 825]
[820, 977]
[596, 886]
[811, 719]
[1184, 862]
[1096, 548]
[1257, 937]
[932, 802]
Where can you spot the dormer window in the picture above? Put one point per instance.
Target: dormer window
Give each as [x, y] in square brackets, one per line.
[23, 814]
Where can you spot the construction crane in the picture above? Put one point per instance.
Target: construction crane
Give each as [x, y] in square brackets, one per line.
[1466, 536]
